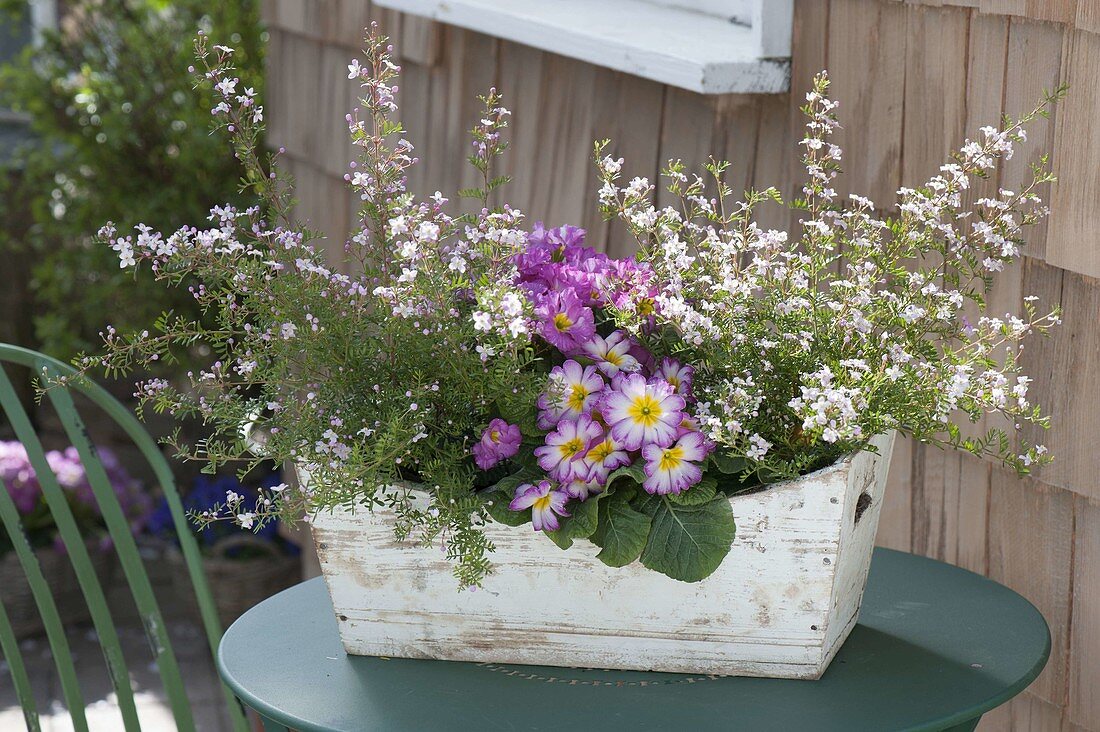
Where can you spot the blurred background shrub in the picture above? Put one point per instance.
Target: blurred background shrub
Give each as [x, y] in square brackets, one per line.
[118, 134]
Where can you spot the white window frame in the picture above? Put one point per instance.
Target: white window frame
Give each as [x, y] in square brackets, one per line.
[43, 16]
[707, 46]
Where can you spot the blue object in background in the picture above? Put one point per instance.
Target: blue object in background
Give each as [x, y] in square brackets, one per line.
[208, 491]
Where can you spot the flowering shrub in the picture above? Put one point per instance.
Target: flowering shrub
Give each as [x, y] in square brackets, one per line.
[21, 482]
[515, 375]
[118, 135]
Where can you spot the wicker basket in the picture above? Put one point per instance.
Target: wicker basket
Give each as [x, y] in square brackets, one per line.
[239, 584]
[25, 619]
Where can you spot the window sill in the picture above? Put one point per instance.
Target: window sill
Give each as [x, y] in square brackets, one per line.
[682, 48]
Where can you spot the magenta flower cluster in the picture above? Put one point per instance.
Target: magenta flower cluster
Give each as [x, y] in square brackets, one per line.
[609, 403]
[565, 280]
[22, 483]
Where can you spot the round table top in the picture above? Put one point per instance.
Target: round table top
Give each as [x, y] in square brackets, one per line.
[935, 646]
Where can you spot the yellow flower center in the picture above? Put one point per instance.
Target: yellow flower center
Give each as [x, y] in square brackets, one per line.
[577, 397]
[671, 459]
[494, 435]
[674, 382]
[613, 358]
[645, 306]
[571, 448]
[562, 322]
[645, 410]
[600, 452]
[542, 503]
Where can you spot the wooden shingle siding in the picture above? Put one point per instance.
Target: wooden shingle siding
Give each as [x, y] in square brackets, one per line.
[869, 81]
[950, 507]
[1073, 243]
[1084, 701]
[1029, 524]
[936, 49]
[913, 80]
[1025, 713]
[1066, 368]
[1088, 15]
[984, 101]
[1033, 65]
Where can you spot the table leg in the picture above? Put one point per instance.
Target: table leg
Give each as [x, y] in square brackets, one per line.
[967, 726]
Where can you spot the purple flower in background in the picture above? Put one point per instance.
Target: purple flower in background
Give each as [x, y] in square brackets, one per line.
[544, 500]
[22, 483]
[548, 247]
[564, 322]
[18, 476]
[556, 260]
[629, 287]
[677, 375]
[499, 441]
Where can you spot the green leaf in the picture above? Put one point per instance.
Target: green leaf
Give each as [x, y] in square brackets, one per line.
[562, 539]
[728, 464]
[687, 543]
[701, 492]
[515, 410]
[526, 459]
[497, 507]
[621, 532]
[582, 522]
[578, 525]
[634, 471]
[509, 483]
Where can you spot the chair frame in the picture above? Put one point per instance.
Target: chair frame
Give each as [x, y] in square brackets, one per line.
[49, 370]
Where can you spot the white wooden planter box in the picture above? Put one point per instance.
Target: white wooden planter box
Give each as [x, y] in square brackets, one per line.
[780, 605]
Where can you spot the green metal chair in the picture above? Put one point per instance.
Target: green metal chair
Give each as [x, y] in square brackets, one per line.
[46, 370]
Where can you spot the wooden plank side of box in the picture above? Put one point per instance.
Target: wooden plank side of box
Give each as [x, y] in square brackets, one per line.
[766, 611]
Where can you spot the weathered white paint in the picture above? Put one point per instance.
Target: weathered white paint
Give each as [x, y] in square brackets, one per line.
[780, 605]
[664, 42]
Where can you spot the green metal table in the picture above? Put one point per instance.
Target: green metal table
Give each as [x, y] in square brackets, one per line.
[935, 648]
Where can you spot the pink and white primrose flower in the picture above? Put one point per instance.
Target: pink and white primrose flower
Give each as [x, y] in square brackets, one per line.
[678, 375]
[687, 425]
[566, 445]
[671, 469]
[564, 321]
[641, 412]
[581, 488]
[499, 441]
[601, 458]
[573, 390]
[545, 501]
[611, 354]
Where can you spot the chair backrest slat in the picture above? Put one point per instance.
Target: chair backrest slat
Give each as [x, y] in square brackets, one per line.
[76, 549]
[119, 528]
[9, 646]
[47, 609]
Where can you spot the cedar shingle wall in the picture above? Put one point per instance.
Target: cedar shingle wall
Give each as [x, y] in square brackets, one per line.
[912, 79]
